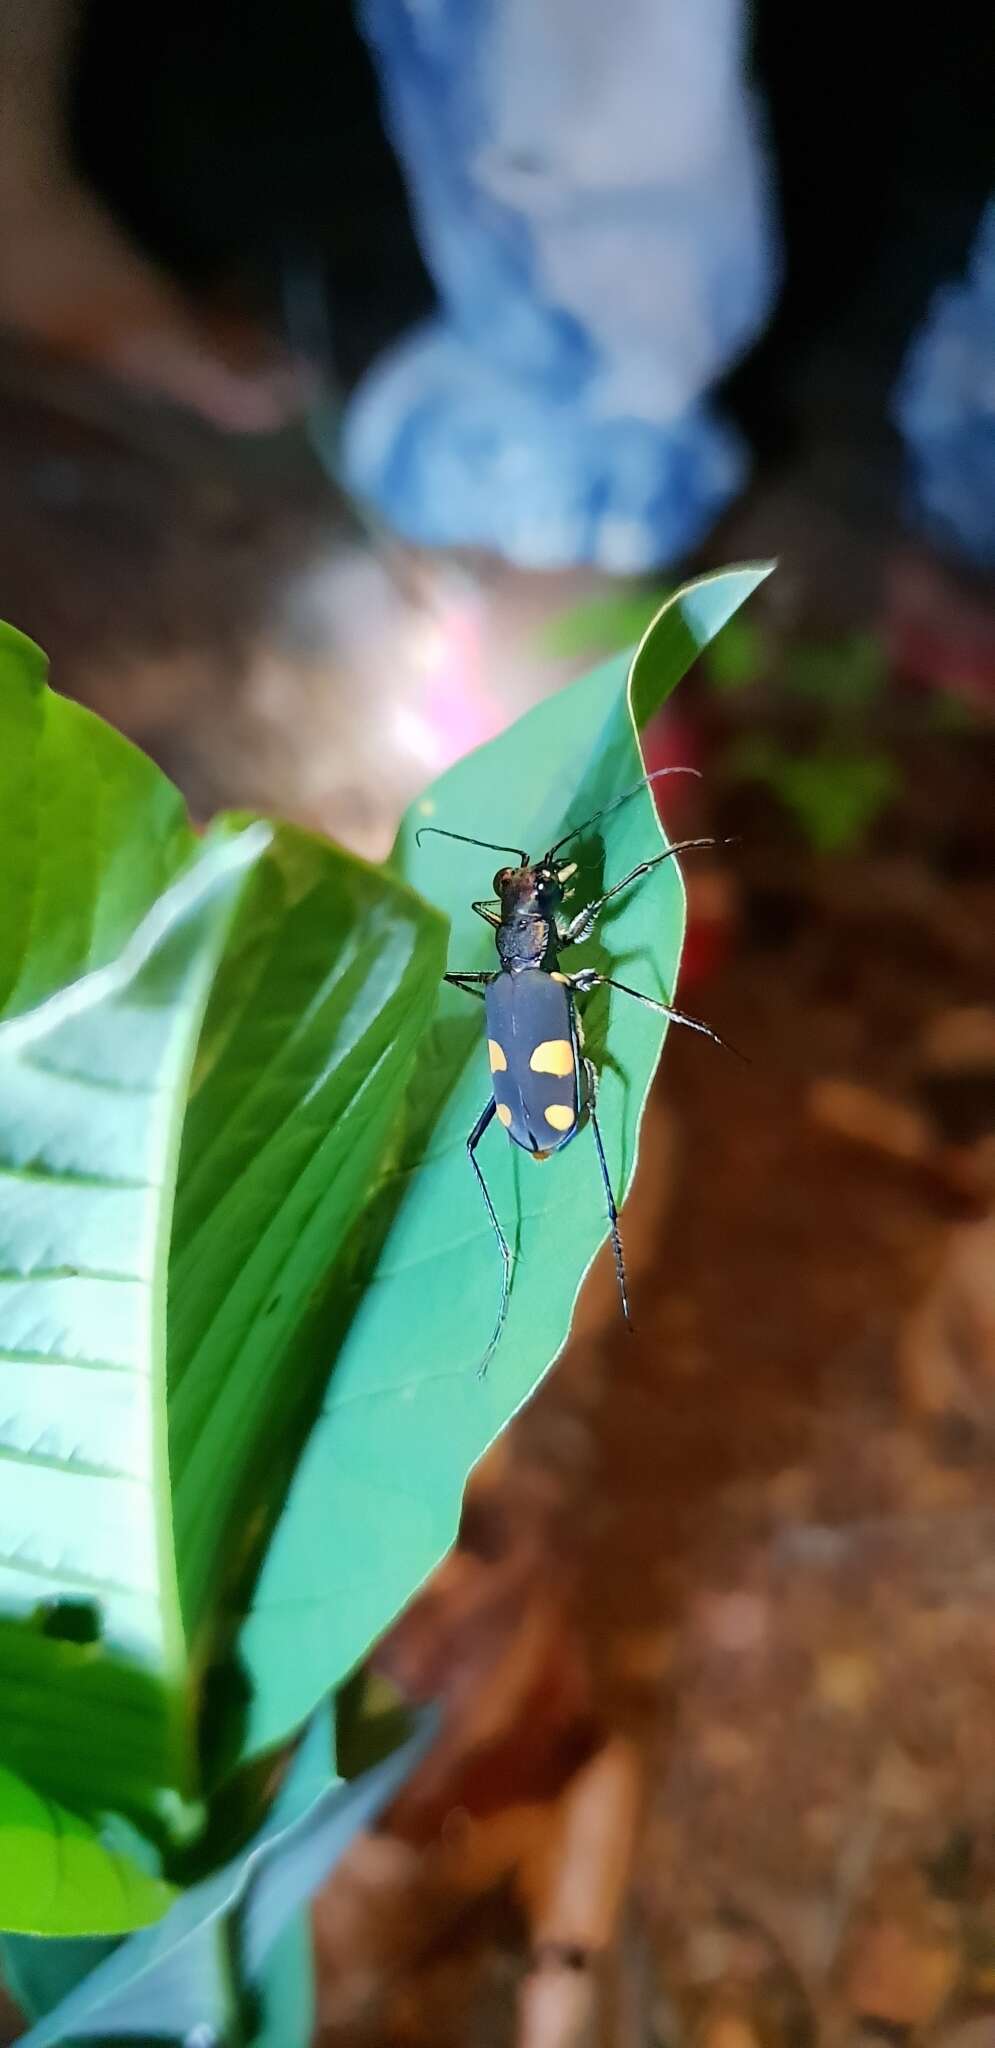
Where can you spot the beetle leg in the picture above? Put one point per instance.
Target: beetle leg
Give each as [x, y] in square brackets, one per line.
[592, 1098]
[581, 926]
[472, 1142]
[589, 978]
[485, 910]
[469, 983]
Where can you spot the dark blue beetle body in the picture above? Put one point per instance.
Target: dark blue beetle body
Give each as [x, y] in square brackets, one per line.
[536, 1071]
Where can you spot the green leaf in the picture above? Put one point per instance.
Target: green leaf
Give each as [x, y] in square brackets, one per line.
[376, 1499]
[36, 1973]
[285, 1992]
[201, 1964]
[50, 1859]
[93, 833]
[92, 1085]
[204, 1046]
[323, 994]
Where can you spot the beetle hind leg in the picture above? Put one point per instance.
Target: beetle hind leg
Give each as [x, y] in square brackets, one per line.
[472, 984]
[592, 1110]
[504, 1247]
[589, 978]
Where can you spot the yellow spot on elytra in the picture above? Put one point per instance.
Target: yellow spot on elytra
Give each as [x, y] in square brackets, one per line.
[503, 1114]
[565, 873]
[560, 1115]
[495, 1054]
[553, 1056]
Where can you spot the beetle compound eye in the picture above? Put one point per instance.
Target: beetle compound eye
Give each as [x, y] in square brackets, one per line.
[501, 880]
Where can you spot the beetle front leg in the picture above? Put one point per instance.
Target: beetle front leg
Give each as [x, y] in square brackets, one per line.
[485, 909]
[581, 926]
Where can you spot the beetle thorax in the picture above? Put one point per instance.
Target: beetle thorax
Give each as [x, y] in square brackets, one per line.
[523, 940]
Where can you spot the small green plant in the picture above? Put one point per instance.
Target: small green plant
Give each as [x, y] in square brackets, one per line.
[827, 770]
[240, 1283]
[832, 777]
[833, 794]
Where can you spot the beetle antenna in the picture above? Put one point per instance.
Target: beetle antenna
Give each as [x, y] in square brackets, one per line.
[441, 833]
[656, 776]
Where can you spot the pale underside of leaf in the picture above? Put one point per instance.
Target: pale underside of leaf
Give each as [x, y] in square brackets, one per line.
[92, 1088]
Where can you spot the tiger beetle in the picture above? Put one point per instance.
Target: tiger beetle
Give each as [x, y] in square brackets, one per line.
[544, 1088]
